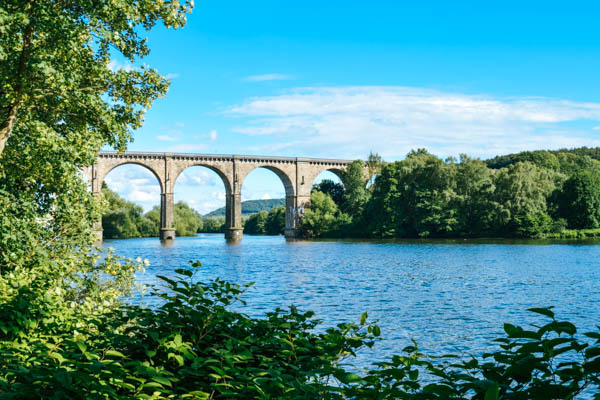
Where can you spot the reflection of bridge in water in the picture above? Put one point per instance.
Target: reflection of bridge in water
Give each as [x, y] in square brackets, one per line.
[296, 174]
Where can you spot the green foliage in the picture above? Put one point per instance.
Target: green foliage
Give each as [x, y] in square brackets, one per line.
[187, 220]
[323, 217]
[194, 345]
[124, 219]
[250, 207]
[255, 224]
[275, 223]
[374, 165]
[414, 197]
[332, 189]
[522, 191]
[212, 225]
[356, 194]
[579, 200]
[424, 196]
[56, 77]
[475, 200]
[263, 223]
[564, 161]
[61, 102]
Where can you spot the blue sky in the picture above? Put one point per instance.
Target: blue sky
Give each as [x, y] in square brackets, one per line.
[341, 79]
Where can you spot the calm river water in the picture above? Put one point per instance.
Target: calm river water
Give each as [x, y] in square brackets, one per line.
[450, 296]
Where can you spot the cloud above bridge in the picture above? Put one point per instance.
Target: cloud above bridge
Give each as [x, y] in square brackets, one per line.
[267, 77]
[351, 121]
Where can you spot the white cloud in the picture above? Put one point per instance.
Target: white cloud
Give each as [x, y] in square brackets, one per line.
[115, 65]
[351, 121]
[179, 124]
[135, 183]
[172, 75]
[141, 196]
[596, 128]
[267, 77]
[166, 138]
[213, 135]
[266, 196]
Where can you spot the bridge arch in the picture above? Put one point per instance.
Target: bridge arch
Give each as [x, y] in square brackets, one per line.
[220, 173]
[101, 176]
[318, 170]
[288, 186]
[286, 180]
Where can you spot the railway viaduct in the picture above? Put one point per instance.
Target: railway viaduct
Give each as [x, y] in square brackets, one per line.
[296, 174]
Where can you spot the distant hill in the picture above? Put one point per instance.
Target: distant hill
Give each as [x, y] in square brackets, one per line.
[249, 207]
[563, 160]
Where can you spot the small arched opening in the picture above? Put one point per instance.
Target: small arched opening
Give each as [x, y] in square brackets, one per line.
[267, 201]
[200, 194]
[131, 193]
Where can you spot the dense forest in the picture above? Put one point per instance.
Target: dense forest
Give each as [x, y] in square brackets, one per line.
[528, 194]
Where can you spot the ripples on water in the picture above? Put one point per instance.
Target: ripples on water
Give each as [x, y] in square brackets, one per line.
[450, 296]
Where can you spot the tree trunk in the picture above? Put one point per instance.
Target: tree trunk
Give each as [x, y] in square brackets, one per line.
[7, 126]
[9, 120]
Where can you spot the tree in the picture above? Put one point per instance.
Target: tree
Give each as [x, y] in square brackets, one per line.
[323, 216]
[213, 225]
[522, 192]
[579, 200]
[60, 103]
[356, 194]
[332, 189]
[187, 221]
[474, 197]
[255, 224]
[124, 219]
[56, 74]
[374, 165]
[275, 222]
[414, 197]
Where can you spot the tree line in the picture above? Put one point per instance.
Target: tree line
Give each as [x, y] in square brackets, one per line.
[529, 194]
[123, 219]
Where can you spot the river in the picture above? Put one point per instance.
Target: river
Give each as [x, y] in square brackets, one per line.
[450, 296]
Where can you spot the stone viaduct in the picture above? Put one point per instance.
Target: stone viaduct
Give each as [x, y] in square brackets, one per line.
[296, 174]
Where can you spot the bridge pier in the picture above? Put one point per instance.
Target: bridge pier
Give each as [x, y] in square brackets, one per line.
[234, 227]
[167, 226]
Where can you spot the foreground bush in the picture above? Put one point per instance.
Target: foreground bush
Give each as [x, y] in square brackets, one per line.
[195, 346]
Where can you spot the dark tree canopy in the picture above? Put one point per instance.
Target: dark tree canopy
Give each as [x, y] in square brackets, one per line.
[579, 200]
[335, 190]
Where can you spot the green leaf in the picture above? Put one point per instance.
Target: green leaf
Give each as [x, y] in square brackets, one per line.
[493, 392]
[114, 353]
[543, 311]
[363, 318]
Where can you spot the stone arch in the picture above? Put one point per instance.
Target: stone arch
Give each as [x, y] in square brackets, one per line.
[288, 186]
[310, 179]
[100, 171]
[336, 171]
[287, 182]
[221, 174]
[103, 171]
